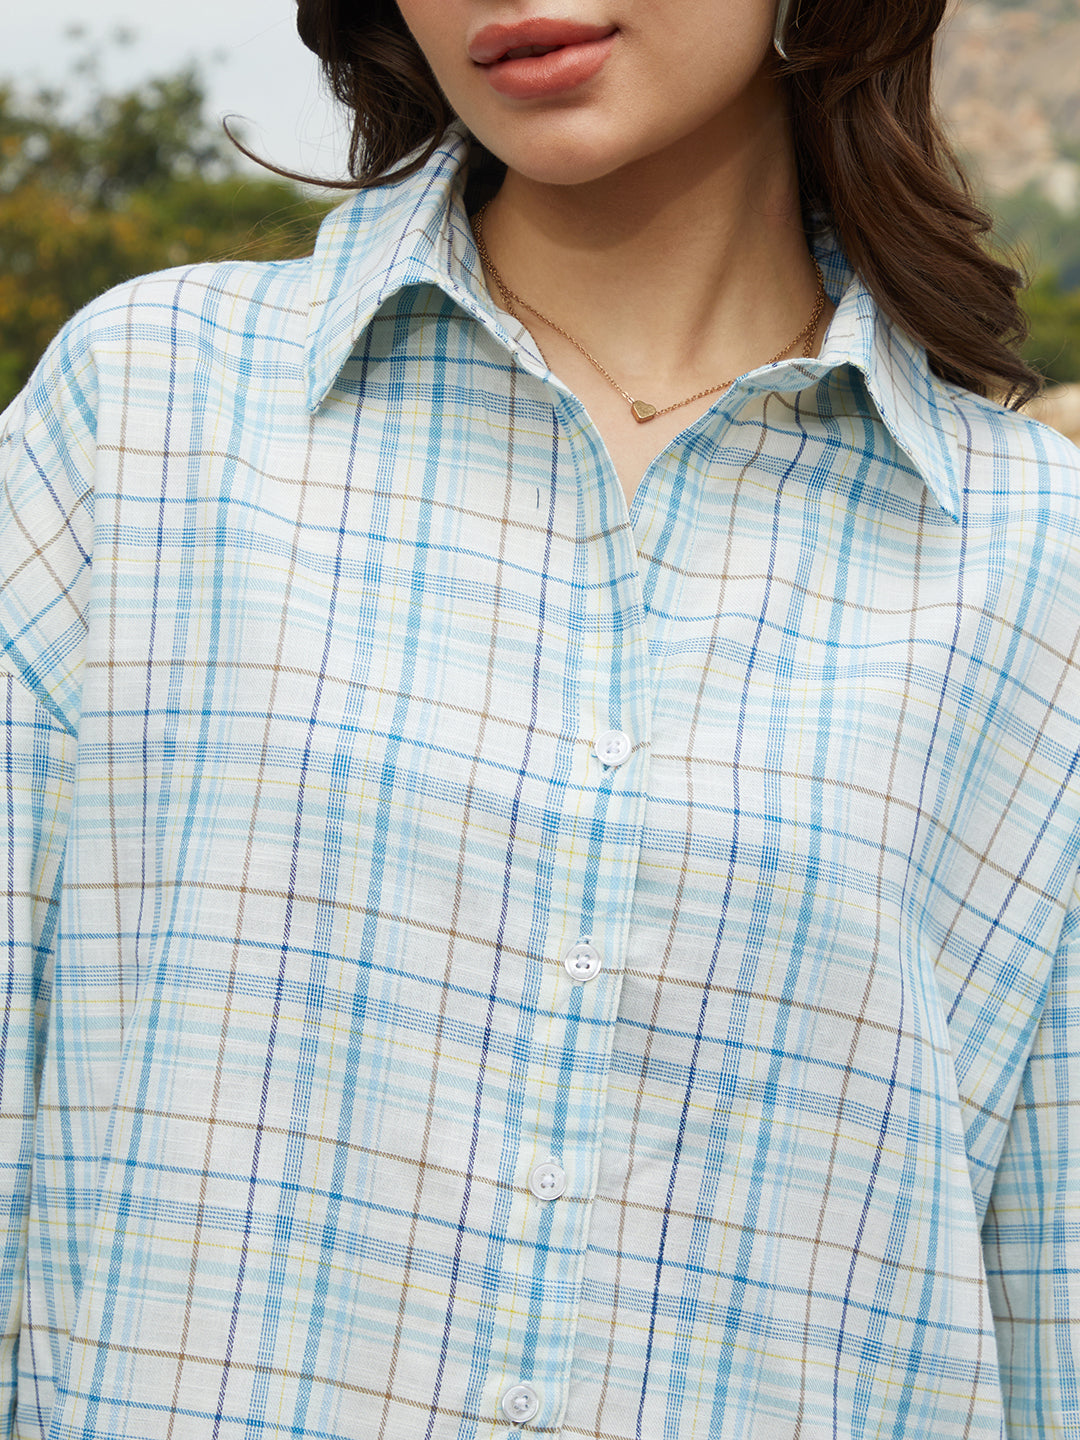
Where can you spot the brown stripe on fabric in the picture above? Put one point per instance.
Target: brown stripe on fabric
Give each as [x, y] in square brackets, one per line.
[182, 1356]
[766, 997]
[842, 1247]
[859, 607]
[384, 691]
[344, 907]
[437, 505]
[895, 802]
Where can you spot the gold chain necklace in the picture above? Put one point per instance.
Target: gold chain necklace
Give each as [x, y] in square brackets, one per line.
[641, 410]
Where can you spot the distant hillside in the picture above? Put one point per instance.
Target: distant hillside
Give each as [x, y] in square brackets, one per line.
[1009, 84]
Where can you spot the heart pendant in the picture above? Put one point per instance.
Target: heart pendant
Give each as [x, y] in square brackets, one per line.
[642, 411]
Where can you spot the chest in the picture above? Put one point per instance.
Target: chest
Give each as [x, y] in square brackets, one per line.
[416, 703]
[372, 666]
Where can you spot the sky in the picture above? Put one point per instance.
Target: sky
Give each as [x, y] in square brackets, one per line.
[251, 59]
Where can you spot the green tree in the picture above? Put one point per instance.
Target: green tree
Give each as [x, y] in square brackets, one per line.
[135, 181]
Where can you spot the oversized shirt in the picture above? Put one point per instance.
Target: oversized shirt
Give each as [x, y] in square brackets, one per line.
[487, 961]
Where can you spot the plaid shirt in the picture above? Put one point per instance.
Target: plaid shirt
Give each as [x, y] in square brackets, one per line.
[483, 959]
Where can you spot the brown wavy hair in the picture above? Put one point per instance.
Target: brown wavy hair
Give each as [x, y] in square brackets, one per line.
[873, 162]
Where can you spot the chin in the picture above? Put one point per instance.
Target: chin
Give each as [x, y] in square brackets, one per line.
[563, 171]
[560, 158]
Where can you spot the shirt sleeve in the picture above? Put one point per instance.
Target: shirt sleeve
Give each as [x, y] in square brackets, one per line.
[1032, 1230]
[46, 462]
[37, 754]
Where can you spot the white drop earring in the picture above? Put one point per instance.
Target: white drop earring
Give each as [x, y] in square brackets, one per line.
[780, 32]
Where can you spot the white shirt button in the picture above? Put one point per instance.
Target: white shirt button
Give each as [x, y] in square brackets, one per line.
[547, 1181]
[520, 1404]
[613, 747]
[583, 962]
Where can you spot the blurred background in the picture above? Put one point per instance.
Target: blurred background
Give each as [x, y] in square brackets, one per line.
[113, 159]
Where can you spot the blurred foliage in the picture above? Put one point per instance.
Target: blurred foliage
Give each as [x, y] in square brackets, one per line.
[1047, 241]
[132, 182]
[1049, 238]
[1053, 345]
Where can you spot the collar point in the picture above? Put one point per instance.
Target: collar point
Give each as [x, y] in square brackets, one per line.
[948, 508]
[316, 388]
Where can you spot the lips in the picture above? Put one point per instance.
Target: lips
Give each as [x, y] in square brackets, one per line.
[527, 39]
[528, 52]
[541, 59]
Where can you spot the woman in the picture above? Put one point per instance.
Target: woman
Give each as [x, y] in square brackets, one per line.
[542, 891]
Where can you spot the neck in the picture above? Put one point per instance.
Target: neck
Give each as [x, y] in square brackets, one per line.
[688, 263]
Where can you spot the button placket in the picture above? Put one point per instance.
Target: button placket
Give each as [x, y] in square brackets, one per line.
[583, 962]
[613, 747]
[560, 1122]
[547, 1181]
[520, 1403]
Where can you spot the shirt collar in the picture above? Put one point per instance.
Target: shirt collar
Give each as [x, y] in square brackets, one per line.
[915, 406]
[413, 232]
[416, 232]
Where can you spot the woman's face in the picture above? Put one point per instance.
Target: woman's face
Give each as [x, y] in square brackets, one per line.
[621, 80]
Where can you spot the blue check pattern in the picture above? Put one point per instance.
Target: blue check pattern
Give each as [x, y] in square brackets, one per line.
[318, 592]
